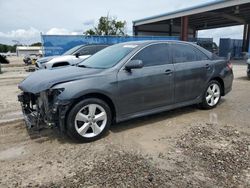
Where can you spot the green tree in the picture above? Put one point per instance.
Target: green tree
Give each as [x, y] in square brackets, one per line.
[7, 48]
[36, 44]
[108, 26]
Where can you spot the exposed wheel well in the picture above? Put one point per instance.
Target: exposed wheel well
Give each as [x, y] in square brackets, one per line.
[218, 79]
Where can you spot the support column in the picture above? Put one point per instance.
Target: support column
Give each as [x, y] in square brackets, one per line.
[244, 38]
[170, 29]
[194, 33]
[184, 28]
[247, 41]
[135, 31]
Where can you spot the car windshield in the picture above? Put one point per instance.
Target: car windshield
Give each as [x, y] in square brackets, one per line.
[108, 57]
[72, 50]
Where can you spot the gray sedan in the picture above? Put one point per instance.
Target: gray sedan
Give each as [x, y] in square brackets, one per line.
[124, 81]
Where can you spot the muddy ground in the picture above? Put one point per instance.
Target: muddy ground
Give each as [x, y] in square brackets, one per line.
[187, 147]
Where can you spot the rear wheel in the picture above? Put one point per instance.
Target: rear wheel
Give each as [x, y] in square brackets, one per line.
[89, 120]
[212, 95]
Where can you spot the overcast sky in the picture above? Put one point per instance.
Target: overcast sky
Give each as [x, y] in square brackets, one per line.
[24, 20]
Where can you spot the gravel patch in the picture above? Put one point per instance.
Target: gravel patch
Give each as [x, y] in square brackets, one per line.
[220, 152]
[208, 155]
[122, 169]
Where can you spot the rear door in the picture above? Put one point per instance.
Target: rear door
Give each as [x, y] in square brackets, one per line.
[192, 70]
[151, 86]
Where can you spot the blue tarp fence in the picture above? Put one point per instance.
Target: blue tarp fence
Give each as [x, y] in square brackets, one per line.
[233, 46]
[58, 44]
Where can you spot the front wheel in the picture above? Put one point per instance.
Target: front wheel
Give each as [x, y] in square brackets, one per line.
[212, 95]
[88, 120]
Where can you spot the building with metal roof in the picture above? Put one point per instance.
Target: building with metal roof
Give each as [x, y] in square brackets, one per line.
[186, 22]
[27, 50]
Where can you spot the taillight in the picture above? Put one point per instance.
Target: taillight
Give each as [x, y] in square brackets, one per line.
[229, 65]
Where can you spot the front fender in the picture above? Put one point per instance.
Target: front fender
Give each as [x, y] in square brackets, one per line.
[77, 88]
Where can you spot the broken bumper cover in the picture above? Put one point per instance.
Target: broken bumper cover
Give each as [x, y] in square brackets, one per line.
[30, 117]
[54, 115]
[31, 120]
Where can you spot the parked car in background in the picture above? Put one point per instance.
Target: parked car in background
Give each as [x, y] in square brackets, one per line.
[248, 68]
[31, 59]
[3, 59]
[124, 81]
[210, 46]
[70, 57]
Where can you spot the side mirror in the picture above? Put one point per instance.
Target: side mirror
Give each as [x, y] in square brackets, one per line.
[77, 55]
[134, 64]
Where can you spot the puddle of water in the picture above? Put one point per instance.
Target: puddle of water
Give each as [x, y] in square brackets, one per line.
[12, 153]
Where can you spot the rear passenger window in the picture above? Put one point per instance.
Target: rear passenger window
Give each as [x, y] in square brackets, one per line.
[156, 54]
[186, 53]
[200, 55]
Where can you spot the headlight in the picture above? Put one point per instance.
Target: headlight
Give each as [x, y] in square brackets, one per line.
[42, 62]
[53, 93]
[56, 91]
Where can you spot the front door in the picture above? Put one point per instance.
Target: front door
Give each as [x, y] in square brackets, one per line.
[149, 87]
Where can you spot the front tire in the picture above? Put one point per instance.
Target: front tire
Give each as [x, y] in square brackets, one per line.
[212, 95]
[89, 120]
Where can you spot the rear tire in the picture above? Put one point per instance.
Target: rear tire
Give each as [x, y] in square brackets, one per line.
[212, 95]
[89, 120]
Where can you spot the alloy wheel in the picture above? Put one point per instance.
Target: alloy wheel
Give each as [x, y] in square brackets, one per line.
[213, 94]
[91, 120]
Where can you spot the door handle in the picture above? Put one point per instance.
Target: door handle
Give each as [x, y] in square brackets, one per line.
[168, 72]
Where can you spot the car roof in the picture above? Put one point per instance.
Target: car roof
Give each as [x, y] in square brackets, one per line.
[84, 45]
[148, 42]
[142, 43]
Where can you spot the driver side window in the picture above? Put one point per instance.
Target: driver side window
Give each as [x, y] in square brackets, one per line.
[156, 54]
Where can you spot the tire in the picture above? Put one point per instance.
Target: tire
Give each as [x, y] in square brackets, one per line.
[212, 95]
[89, 120]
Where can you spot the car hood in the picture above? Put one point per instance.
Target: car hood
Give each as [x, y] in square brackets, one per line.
[62, 58]
[69, 58]
[42, 80]
[45, 59]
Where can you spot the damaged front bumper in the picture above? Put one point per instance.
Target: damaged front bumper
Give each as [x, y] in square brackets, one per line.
[30, 114]
[43, 110]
